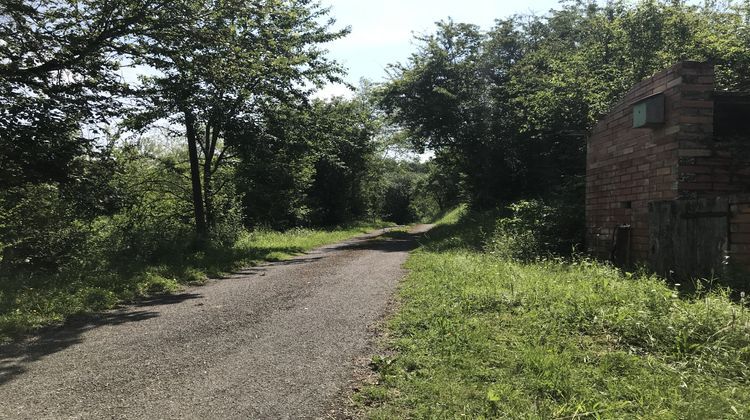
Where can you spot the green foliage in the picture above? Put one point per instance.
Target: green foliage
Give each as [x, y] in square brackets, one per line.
[346, 149]
[397, 203]
[478, 336]
[324, 165]
[523, 234]
[506, 111]
[60, 62]
[452, 217]
[103, 277]
[275, 172]
[404, 196]
[534, 229]
[310, 166]
[87, 221]
[443, 184]
[37, 226]
[224, 67]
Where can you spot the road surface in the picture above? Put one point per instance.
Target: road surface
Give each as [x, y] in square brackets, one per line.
[277, 341]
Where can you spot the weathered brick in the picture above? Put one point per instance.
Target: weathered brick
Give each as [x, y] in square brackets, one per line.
[676, 160]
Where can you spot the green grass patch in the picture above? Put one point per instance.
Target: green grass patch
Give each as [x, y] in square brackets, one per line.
[477, 336]
[275, 246]
[453, 216]
[30, 302]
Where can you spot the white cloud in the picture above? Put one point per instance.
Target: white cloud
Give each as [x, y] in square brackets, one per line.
[377, 34]
[333, 90]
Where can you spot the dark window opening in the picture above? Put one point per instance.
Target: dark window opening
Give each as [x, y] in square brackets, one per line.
[732, 117]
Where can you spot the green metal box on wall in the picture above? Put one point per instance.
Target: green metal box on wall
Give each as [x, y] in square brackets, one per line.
[649, 112]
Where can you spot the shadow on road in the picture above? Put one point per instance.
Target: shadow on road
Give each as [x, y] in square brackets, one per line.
[261, 269]
[16, 356]
[394, 241]
[165, 300]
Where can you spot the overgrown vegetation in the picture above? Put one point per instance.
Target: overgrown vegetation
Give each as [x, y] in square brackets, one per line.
[507, 111]
[114, 187]
[483, 336]
[500, 318]
[125, 229]
[100, 277]
[530, 229]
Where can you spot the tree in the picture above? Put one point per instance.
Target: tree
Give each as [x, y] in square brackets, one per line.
[58, 70]
[345, 130]
[310, 164]
[58, 74]
[221, 67]
[440, 95]
[276, 168]
[509, 109]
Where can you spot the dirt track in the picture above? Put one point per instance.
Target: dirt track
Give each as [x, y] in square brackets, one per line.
[277, 341]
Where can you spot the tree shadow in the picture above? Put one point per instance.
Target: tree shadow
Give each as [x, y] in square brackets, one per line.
[266, 253]
[260, 269]
[471, 233]
[15, 357]
[164, 299]
[392, 241]
[295, 261]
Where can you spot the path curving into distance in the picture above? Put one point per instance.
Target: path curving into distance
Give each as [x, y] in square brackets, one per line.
[277, 341]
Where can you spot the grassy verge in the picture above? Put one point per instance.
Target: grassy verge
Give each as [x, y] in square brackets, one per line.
[477, 336]
[33, 303]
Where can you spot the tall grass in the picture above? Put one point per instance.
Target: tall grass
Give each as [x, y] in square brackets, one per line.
[479, 336]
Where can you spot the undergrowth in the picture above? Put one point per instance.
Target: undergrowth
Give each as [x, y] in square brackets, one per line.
[479, 336]
[30, 302]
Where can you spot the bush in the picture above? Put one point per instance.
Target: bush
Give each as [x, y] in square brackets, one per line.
[533, 229]
[150, 283]
[38, 229]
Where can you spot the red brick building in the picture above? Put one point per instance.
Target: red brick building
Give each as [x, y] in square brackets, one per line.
[671, 141]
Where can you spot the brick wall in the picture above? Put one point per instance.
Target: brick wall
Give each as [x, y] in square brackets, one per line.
[708, 167]
[629, 167]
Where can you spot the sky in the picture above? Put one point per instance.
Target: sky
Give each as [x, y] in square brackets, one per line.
[383, 30]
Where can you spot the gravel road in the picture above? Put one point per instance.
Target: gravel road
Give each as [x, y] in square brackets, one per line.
[277, 341]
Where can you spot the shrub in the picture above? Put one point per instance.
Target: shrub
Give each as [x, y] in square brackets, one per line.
[150, 283]
[97, 298]
[533, 229]
[38, 229]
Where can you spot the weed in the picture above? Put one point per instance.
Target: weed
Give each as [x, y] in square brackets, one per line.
[479, 336]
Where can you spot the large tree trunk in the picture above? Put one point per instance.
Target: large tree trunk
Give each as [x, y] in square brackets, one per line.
[200, 216]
